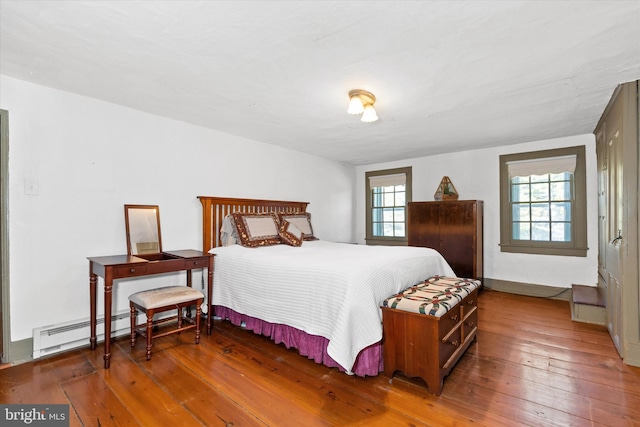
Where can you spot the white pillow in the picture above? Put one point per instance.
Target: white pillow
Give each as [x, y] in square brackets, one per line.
[228, 231]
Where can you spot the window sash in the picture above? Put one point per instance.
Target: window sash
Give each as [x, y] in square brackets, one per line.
[543, 214]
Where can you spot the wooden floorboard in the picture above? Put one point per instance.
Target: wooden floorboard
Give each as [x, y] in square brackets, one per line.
[531, 366]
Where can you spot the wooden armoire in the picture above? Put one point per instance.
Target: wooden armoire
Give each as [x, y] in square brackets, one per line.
[453, 228]
[617, 149]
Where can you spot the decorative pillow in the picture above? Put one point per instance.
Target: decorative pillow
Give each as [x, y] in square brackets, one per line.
[302, 221]
[256, 229]
[290, 234]
[228, 232]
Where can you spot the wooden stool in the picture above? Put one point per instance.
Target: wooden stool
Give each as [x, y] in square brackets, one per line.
[158, 300]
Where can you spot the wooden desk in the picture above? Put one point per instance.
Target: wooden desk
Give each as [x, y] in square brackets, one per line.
[115, 267]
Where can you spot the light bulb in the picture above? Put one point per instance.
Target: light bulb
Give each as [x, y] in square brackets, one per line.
[355, 105]
[369, 115]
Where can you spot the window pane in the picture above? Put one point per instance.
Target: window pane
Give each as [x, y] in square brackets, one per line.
[520, 193]
[388, 229]
[377, 229]
[399, 229]
[387, 215]
[376, 198]
[540, 231]
[388, 199]
[398, 215]
[521, 231]
[540, 212]
[400, 198]
[539, 192]
[561, 232]
[560, 190]
[560, 212]
[376, 214]
[521, 212]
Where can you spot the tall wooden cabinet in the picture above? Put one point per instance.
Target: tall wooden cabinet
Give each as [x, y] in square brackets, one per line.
[453, 228]
[617, 149]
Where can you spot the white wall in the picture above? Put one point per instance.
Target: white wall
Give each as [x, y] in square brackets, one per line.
[89, 158]
[475, 175]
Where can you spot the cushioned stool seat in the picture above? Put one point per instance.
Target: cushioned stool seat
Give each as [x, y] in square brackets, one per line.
[154, 301]
[435, 296]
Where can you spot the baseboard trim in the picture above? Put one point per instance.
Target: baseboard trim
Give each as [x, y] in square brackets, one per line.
[528, 289]
[632, 354]
[20, 351]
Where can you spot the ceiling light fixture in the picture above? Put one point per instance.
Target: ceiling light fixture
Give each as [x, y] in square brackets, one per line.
[361, 102]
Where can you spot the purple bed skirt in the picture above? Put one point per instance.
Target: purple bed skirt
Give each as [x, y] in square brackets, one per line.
[369, 361]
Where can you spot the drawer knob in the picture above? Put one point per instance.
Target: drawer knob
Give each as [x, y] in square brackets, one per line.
[454, 317]
[195, 263]
[471, 323]
[470, 302]
[133, 270]
[454, 343]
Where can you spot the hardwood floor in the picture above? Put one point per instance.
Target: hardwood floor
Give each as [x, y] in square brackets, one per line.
[531, 365]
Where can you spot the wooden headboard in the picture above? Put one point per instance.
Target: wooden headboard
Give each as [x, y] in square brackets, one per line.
[214, 209]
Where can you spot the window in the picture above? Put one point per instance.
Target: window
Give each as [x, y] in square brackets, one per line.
[388, 192]
[543, 202]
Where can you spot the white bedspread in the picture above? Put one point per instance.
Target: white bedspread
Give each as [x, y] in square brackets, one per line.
[329, 289]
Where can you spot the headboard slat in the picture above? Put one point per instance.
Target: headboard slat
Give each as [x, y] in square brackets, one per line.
[214, 209]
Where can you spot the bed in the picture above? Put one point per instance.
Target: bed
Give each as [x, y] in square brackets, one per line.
[321, 298]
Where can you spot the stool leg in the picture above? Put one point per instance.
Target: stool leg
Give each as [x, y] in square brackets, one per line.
[132, 318]
[179, 318]
[149, 332]
[198, 311]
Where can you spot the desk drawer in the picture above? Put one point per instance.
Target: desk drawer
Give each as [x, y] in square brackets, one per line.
[131, 271]
[196, 263]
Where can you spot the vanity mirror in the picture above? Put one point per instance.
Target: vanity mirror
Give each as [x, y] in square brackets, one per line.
[143, 230]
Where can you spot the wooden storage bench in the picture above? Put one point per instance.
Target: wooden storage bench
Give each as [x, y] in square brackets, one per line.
[428, 327]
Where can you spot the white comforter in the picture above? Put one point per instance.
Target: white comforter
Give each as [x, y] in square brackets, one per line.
[329, 289]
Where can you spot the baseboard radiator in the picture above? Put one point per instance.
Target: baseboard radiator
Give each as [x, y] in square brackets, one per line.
[67, 336]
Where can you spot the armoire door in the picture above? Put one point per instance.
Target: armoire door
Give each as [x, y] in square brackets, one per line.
[458, 238]
[423, 224]
[453, 228]
[609, 138]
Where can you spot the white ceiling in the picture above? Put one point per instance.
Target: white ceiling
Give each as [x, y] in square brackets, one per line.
[448, 76]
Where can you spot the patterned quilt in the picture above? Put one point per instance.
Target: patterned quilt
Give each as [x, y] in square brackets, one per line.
[435, 296]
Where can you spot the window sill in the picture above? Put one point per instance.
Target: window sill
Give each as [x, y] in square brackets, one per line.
[537, 250]
[387, 242]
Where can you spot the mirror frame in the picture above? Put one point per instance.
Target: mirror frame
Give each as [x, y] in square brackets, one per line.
[127, 216]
